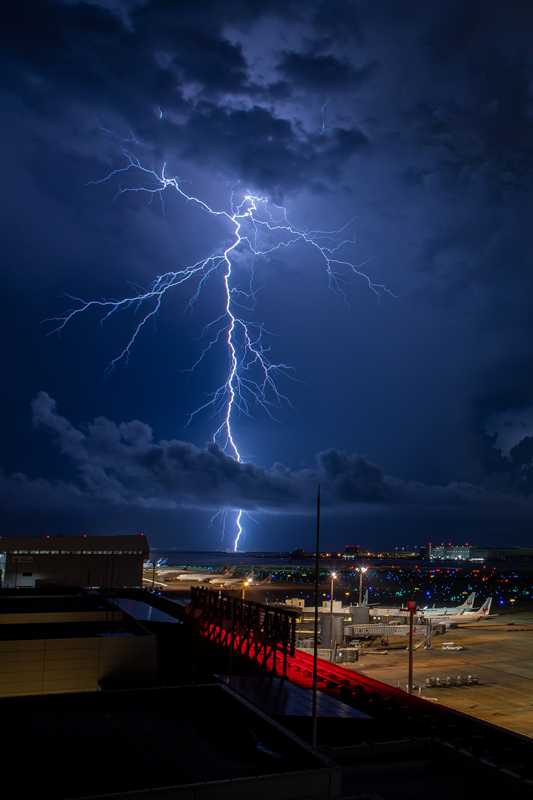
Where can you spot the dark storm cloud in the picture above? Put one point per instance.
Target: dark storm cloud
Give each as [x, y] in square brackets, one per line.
[512, 473]
[324, 72]
[264, 149]
[122, 465]
[174, 61]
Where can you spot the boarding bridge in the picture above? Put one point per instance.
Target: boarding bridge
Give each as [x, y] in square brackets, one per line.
[388, 631]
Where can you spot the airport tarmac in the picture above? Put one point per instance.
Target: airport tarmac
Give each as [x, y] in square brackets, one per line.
[499, 652]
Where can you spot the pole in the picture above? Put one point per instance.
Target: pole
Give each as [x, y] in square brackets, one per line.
[332, 639]
[232, 633]
[315, 643]
[411, 605]
[360, 586]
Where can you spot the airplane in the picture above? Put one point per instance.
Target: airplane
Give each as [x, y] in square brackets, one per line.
[466, 607]
[427, 613]
[466, 618]
[245, 580]
[264, 582]
[227, 576]
[365, 602]
[200, 577]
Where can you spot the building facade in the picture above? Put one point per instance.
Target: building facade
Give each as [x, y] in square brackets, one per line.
[443, 552]
[99, 562]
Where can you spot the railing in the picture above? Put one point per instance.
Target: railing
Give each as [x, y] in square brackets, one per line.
[260, 632]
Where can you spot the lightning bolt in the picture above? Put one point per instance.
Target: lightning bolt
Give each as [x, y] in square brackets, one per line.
[260, 230]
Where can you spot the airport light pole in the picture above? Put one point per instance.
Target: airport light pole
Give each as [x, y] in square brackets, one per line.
[411, 607]
[315, 642]
[333, 575]
[362, 570]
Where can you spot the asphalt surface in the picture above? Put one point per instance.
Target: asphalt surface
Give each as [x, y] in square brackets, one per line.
[499, 651]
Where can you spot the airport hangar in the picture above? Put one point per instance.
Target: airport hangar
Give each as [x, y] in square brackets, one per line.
[99, 562]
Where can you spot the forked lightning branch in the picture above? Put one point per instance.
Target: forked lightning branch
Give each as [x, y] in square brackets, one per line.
[259, 231]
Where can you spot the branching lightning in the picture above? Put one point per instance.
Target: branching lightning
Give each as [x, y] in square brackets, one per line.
[259, 230]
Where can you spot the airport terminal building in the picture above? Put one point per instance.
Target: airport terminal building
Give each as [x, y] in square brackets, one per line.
[98, 562]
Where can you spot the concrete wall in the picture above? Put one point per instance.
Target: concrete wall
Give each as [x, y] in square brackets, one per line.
[44, 666]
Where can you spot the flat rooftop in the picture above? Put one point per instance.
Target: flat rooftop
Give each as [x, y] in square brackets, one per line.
[69, 630]
[122, 741]
[280, 698]
[52, 604]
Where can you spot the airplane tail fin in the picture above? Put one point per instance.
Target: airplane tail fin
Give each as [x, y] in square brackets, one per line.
[267, 580]
[365, 599]
[226, 566]
[485, 608]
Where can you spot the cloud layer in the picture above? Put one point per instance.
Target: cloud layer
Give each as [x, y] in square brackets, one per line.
[122, 465]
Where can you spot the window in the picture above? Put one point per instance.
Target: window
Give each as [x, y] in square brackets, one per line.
[27, 574]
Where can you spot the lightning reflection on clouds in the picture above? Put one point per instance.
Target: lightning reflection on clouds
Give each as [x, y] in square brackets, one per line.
[260, 230]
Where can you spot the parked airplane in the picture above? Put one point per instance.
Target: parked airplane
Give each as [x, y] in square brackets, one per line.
[467, 607]
[431, 613]
[251, 580]
[366, 603]
[245, 580]
[199, 577]
[227, 576]
[465, 618]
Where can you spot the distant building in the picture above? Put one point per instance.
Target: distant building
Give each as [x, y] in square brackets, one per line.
[469, 553]
[300, 553]
[99, 562]
[351, 551]
[502, 553]
[449, 552]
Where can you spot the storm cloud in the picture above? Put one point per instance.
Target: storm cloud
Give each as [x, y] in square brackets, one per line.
[121, 464]
[409, 126]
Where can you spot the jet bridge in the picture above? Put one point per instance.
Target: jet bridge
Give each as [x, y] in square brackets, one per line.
[388, 631]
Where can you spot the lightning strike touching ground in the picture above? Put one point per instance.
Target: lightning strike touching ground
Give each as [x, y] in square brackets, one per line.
[259, 230]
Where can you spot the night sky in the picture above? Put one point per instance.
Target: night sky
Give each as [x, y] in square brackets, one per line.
[411, 405]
